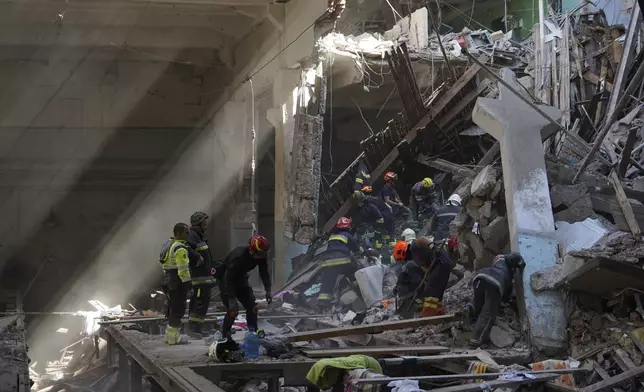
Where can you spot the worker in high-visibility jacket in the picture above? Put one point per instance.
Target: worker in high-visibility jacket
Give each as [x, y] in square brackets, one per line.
[201, 270]
[177, 282]
[337, 260]
[363, 178]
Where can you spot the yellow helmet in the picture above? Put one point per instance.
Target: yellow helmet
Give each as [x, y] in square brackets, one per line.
[427, 182]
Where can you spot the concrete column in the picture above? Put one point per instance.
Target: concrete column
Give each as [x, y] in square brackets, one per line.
[282, 117]
[518, 128]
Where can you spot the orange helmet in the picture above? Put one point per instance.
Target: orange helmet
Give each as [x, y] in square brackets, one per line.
[366, 189]
[400, 250]
[390, 176]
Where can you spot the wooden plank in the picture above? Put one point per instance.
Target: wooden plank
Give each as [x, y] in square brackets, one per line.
[369, 328]
[615, 381]
[446, 166]
[460, 106]
[625, 205]
[375, 351]
[466, 376]
[594, 79]
[447, 98]
[190, 381]
[626, 152]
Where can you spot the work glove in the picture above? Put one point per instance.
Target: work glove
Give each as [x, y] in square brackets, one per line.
[269, 297]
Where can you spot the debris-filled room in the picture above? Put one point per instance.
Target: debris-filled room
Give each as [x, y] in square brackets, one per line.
[321, 195]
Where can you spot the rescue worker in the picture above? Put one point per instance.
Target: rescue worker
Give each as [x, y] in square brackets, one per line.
[492, 286]
[377, 213]
[444, 216]
[423, 197]
[437, 264]
[337, 260]
[408, 235]
[363, 178]
[410, 278]
[177, 281]
[232, 276]
[201, 265]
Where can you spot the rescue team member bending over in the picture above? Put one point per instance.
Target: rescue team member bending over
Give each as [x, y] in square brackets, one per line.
[363, 178]
[409, 281]
[437, 265]
[337, 260]
[232, 275]
[177, 281]
[201, 271]
[423, 196]
[444, 216]
[492, 286]
[377, 213]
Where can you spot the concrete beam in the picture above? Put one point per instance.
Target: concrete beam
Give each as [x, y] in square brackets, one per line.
[518, 128]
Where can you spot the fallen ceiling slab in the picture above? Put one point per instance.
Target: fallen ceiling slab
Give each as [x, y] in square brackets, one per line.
[370, 328]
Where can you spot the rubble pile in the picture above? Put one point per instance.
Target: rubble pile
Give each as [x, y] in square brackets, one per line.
[14, 363]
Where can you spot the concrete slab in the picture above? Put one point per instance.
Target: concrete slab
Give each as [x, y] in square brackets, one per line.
[518, 128]
[601, 276]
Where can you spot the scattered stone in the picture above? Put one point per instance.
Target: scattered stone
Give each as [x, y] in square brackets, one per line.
[596, 322]
[496, 191]
[502, 338]
[486, 210]
[473, 208]
[571, 264]
[458, 223]
[547, 279]
[496, 234]
[484, 181]
[638, 184]
[572, 203]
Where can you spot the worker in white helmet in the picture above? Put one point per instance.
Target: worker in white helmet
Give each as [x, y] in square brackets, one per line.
[408, 235]
[444, 216]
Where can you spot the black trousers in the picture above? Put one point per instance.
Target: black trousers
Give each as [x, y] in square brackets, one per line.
[487, 302]
[437, 280]
[199, 304]
[330, 275]
[244, 294]
[176, 292]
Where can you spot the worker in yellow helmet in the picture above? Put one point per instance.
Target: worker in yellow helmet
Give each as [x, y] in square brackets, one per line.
[177, 282]
[423, 199]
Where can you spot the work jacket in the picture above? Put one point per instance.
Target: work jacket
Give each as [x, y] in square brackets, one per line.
[363, 178]
[375, 210]
[174, 260]
[500, 274]
[339, 247]
[234, 269]
[201, 273]
[410, 278]
[422, 194]
[444, 216]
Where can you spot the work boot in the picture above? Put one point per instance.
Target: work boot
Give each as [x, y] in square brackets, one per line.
[468, 317]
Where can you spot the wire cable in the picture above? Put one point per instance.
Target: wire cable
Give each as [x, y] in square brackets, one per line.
[253, 136]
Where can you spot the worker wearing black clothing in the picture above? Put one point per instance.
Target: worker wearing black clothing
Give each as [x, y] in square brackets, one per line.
[444, 216]
[378, 214]
[363, 178]
[201, 271]
[337, 260]
[423, 197]
[438, 265]
[177, 281]
[492, 286]
[232, 275]
[409, 280]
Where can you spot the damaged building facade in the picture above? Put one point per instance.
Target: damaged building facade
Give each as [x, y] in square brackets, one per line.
[131, 116]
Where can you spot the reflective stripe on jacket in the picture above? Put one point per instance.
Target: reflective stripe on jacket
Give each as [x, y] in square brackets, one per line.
[174, 254]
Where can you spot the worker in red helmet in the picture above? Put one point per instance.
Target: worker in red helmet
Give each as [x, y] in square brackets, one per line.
[232, 275]
[337, 260]
[390, 195]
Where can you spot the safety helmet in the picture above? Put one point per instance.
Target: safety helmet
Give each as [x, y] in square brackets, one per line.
[366, 189]
[455, 200]
[258, 244]
[409, 235]
[452, 243]
[427, 182]
[343, 223]
[390, 176]
[198, 217]
[400, 250]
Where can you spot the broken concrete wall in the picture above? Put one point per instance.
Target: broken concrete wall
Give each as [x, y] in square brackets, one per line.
[304, 190]
[14, 363]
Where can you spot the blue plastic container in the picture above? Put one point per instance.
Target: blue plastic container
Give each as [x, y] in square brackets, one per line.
[251, 345]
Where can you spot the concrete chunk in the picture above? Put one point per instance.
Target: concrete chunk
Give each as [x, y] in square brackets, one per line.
[484, 181]
[486, 210]
[502, 338]
[572, 202]
[496, 191]
[473, 208]
[496, 234]
[458, 223]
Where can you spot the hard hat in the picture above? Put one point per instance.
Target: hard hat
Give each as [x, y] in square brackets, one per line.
[390, 176]
[427, 182]
[258, 244]
[452, 242]
[343, 223]
[454, 200]
[400, 250]
[409, 234]
[366, 189]
[423, 242]
[198, 217]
